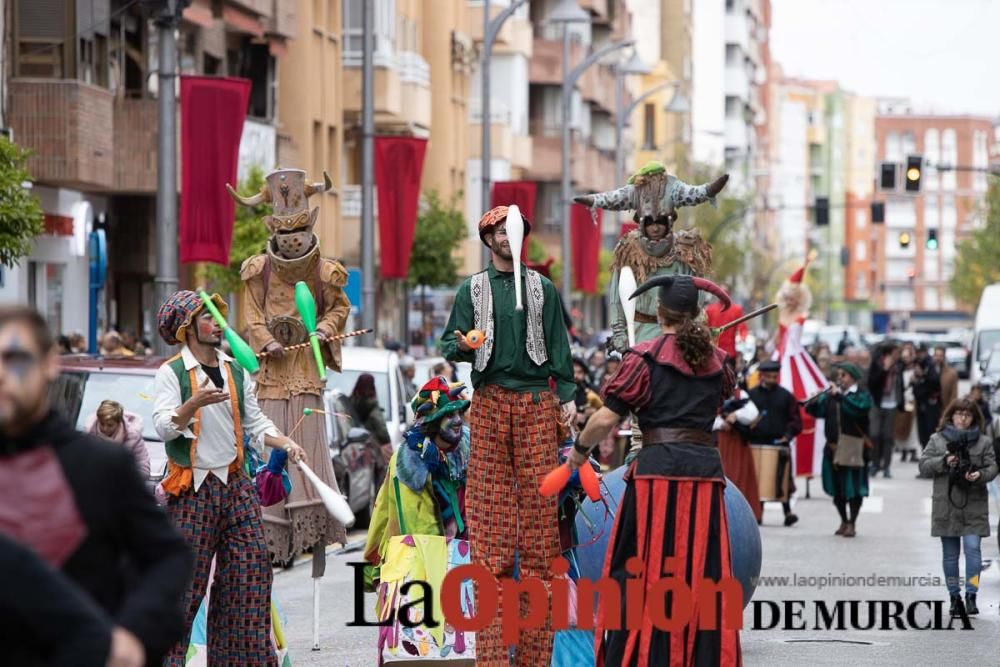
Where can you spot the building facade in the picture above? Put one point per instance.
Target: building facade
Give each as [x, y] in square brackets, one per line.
[911, 272]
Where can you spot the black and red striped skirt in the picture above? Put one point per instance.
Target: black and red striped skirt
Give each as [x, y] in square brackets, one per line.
[679, 517]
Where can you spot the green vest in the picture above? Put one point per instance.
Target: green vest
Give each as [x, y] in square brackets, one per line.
[179, 449]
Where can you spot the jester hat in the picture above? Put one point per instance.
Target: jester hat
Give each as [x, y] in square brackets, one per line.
[680, 292]
[438, 398]
[654, 194]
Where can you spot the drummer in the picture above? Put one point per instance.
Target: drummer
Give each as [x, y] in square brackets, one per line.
[780, 421]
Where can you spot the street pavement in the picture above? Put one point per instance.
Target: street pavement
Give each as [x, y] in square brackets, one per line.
[893, 540]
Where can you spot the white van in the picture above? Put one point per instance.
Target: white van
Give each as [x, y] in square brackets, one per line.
[987, 329]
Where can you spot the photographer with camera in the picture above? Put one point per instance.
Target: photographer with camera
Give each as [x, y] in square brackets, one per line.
[961, 459]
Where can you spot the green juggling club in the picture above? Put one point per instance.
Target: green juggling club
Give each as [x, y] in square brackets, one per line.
[241, 351]
[307, 309]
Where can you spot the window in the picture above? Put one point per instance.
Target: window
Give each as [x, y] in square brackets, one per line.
[385, 30]
[860, 251]
[932, 154]
[948, 213]
[649, 127]
[730, 6]
[860, 285]
[949, 156]
[931, 301]
[860, 219]
[733, 54]
[893, 148]
[255, 62]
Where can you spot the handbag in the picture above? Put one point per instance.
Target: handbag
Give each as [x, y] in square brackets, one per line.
[850, 449]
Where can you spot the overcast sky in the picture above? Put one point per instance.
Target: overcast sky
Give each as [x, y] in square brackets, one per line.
[942, 54]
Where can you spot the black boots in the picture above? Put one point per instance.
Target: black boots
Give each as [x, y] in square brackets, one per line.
[957, 608]
[790, 519]
[970, 604]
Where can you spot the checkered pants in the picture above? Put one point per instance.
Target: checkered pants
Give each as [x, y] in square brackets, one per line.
[224, 521]
[513, 447]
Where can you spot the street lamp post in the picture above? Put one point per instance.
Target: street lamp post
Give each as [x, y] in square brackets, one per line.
[369, 317]
[569, 80]
[491, 28]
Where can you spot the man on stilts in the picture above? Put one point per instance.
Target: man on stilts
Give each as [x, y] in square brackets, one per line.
[289, 381]
[654, 249]
[514, 420]
[204, 403]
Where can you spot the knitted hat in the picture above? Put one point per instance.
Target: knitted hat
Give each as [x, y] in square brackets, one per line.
[494, 217]
[437, 398]
[177, 313]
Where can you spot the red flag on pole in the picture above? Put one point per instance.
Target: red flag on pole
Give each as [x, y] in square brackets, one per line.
[399, 165]
[586, 248]
[521, 193]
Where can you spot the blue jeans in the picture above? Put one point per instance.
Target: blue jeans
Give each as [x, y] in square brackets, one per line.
[950, 547]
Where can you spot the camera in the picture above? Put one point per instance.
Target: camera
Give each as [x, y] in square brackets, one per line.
[964, 465]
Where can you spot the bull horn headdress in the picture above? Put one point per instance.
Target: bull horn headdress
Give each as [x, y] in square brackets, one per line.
[653, 193]
[680, 292]
[265, 195]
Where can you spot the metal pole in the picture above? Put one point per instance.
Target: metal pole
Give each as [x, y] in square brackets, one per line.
[485, 120]
[619, 124]
[368, 315]
[166, 165]
[565, 193]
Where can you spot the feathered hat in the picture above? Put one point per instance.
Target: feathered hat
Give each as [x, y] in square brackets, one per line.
[438, 398]
[653, 194]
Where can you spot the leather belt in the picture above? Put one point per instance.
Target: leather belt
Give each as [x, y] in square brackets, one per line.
[663, 435]
[643, 318]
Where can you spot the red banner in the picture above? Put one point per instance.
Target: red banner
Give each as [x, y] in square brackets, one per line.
[586, 248]
[399, 164]
[521, 193]
[212, 113]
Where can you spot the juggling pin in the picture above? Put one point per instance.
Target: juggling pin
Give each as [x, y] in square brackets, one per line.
[515, 235]
[626, 285]
[242, 353]
[557, 479]
[335, 503]
[307, 309]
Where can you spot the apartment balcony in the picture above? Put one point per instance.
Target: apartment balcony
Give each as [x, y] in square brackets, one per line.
[515, 35]
[737, 29]
[402, 92]
[546, 66]
[597, 85]
[523, 151]
[68, 126]
[737, 83]
[546, 153]
[737, 133]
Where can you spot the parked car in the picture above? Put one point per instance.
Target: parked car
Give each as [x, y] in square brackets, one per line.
[390, 389]
[84, 381]
[356, 462]
[987, 328]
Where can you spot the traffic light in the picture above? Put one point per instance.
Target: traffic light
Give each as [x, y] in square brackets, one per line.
[932, 240]
[822, 209]
[914, 163]
[887, 179]
[878, 212]
[904, 239]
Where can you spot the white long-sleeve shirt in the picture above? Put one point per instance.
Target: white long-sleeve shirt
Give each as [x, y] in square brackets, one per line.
[216, 438]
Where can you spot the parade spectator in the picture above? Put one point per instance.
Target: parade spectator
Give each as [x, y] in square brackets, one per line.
[408, 367]
[927, 396]
[977, 394]
[364, 400]
[63, 345]
[586, 399]
[611, 366]
[863, 363]
[886, 386]
[947, 375]
[845, 342]
[77, 343]
[446, 369]
[79, 503]
[111, 346]
[961, 459]
[113, 423]
[845, 410]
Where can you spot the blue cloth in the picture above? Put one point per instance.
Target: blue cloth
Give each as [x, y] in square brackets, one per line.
[950, 547]
[276, 464]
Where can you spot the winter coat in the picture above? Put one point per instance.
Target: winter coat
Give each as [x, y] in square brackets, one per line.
[129, 435]
[972, 514]
[372, 418]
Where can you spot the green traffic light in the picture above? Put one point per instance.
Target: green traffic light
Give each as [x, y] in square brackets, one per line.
[932, 244]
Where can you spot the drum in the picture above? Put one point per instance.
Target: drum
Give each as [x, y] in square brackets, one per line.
[772, 464]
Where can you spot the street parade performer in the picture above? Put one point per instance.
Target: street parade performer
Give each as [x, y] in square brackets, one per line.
[289, 381]
[203, 404]
[418, 527]
[738, 413]
[799, 373]
[845, 411]
[514, 420]
[676, 383]
[654, 249]
[772, 434]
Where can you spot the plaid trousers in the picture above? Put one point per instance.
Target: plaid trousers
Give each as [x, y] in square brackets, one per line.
[224, 521]
[513, 447]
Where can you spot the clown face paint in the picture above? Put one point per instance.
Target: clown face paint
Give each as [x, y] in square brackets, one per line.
[451, 432]
[207, 331]
[24, 379]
